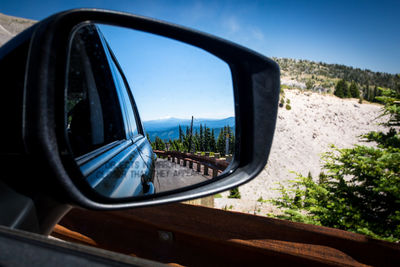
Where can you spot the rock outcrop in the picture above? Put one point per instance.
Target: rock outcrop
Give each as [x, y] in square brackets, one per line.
[11, 26]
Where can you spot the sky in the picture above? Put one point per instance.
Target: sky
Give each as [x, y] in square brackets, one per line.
[170, 79]
[359, 33]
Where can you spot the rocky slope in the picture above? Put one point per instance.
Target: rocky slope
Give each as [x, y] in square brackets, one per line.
[11, 26]
[314, 123]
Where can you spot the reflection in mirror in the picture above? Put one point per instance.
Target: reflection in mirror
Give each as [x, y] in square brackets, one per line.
[146, 114]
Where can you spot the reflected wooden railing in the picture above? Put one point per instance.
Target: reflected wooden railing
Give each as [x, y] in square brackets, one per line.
[203, 163]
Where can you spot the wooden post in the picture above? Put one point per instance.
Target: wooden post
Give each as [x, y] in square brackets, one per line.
[198, 166]
[214, 173]
[205, 170]
[178, 161]
[184, 162]
[191, 164]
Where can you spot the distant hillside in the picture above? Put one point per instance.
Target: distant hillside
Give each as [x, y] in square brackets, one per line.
[169, 128]
[11, 26]
[319, 76]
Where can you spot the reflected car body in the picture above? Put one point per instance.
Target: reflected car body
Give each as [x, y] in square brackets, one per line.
[103, 124]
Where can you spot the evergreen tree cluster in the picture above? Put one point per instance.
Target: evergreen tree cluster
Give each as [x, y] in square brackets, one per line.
[224, 133]
[343, 90]
[363, 78]
[202, 140]
[158, 143]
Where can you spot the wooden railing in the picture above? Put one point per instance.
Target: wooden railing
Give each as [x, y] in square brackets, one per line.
[188, 159]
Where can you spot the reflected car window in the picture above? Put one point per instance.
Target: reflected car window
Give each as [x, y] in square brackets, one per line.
[125, 99]
[93, 114]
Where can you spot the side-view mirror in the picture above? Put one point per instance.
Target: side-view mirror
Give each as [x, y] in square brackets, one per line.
[111, 110]
[171, 95]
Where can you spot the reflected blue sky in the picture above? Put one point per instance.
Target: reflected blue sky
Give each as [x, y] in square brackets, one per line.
[169, 78]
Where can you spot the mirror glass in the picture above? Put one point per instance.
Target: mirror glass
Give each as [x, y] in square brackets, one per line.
[145, 114]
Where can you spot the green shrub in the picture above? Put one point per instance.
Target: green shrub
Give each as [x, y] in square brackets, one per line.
[227, 208]
[309, 84]
[234, 193]
[288, 107]
[282, 102]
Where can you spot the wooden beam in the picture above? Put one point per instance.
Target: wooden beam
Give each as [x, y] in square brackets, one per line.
[199, 236]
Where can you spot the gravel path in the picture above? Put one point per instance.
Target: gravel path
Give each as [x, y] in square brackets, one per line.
[170, 176]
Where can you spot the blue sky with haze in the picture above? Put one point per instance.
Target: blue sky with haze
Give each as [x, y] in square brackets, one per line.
[360, 33]
[169, 78]
[363, 34]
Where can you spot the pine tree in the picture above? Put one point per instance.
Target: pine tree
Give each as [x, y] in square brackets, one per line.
[171, 145]
[196, 141]
[366, 92]
[159, 144]
[180, 134]
[354, 90]
[340, 89]
[201, 138]
[371, 94]
[177, 145]
[231, 140]
[221, 142]
[347, 91]
[212, 141]
[207, 137]
[374, 93]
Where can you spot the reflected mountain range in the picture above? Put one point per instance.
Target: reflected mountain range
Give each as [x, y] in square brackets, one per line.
[169, 128]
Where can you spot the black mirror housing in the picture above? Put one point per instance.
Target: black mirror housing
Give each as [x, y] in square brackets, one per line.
[256, 82]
